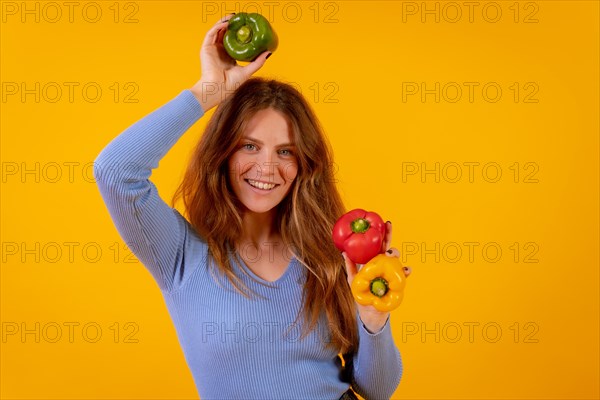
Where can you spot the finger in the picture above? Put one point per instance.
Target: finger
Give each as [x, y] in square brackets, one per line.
[220, 35]
[226, 18]
[387, 240]
[213, 33]
[256, 64]
[392, 252]
[350, 268]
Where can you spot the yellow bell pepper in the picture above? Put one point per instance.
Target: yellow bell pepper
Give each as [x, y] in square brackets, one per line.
[380, 283]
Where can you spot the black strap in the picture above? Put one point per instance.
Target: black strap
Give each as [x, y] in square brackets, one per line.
[346, 371]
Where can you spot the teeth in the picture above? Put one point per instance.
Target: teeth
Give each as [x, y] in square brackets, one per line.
[260, 185]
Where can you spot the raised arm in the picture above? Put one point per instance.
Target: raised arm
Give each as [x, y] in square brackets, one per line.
[155, 232]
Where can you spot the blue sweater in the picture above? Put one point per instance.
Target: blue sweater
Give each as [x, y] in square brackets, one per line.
[236, 348]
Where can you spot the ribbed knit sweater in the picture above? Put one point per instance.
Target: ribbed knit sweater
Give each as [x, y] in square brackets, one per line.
[235, 347]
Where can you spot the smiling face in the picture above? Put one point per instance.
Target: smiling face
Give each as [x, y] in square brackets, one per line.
[263, 166]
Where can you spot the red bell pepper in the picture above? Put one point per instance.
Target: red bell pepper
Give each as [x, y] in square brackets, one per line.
[360, 234]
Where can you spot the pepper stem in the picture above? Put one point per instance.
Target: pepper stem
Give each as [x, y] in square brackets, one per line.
[244, 34]
[379, 287]
[360, 225]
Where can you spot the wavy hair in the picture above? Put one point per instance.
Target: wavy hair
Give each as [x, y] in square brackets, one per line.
[313, 197]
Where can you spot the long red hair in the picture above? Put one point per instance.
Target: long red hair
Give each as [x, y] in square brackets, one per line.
[305, 216]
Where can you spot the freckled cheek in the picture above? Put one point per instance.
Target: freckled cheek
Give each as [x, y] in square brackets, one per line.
[288, 171]
[242, 166]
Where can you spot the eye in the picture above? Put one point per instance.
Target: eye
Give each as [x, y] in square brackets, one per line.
[285, 152]
[248, 146]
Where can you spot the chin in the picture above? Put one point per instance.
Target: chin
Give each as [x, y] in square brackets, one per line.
[257, 209]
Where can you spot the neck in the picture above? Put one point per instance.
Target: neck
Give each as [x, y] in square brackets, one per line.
[259, 228]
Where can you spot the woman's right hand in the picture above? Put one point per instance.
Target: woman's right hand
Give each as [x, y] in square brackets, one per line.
[221, 75]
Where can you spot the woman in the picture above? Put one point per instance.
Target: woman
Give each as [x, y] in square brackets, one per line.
[256, 289]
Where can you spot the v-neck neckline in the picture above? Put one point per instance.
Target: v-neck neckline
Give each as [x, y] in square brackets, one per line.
[278, 281]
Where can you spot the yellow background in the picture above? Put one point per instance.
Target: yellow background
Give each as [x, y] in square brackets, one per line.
[359, 56]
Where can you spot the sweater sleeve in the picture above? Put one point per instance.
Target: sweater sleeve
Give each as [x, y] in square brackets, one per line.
[155, 232]
[377, 366]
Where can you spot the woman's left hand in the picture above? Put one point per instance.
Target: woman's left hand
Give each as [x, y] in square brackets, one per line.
[373, 319]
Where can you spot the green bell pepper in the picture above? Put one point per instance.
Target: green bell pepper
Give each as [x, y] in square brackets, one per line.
[248, 35]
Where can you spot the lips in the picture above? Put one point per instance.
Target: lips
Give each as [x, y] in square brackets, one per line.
[261, 185]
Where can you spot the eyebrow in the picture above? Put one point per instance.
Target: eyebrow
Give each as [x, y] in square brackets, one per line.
[259, 142]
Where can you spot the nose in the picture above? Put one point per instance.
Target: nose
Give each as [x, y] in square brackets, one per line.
[267, 165]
